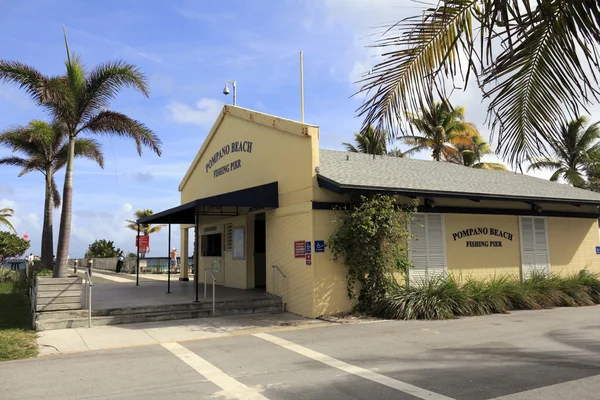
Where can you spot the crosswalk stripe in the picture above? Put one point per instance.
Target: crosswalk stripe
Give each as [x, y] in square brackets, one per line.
[353, 369]
[215, 375]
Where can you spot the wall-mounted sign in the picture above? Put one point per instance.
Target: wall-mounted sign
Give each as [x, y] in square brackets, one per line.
[597, 249]
[308, 247]
[308, 259]
[468, 233]
[319, 246]
[239, 241]
[299, 249]
[234, 147]
[210, 229]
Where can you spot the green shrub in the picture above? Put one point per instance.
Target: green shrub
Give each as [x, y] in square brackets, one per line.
[7, 275]
[436, 298]
[443, 297]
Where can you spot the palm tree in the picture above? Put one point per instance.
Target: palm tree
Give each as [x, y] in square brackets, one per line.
[442, 128]
[45, 148]
[144, 229]
[6, 213]
[372, 141]
[547, 63]
[80, 100]
[470, 156]
[575, 154]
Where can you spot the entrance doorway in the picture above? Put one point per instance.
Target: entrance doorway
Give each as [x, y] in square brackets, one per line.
[260, 251]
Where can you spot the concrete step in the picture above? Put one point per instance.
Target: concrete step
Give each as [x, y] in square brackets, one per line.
[48, 315]
[81, 321]
[203, 305]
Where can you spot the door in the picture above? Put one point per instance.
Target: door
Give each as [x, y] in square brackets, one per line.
[427, 247]
[534, 246]
[260, 251]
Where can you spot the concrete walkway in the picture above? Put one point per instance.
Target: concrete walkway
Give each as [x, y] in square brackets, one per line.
[129, 335]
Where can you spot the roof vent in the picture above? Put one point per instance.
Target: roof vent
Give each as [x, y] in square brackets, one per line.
[347, 157]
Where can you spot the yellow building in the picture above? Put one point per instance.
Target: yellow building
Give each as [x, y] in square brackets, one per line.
[259, 197]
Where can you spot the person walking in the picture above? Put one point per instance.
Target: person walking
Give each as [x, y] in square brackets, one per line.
[173, 261]
[120, 260]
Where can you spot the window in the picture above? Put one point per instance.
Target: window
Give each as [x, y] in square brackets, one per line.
[210, 245]
[534, 246]
[428, 247]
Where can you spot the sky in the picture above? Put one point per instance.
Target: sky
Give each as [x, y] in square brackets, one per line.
[188, 50]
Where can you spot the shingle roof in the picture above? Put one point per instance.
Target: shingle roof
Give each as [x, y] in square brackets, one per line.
[362, 171]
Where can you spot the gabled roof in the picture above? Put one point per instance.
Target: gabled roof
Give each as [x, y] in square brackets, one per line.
[345, 172]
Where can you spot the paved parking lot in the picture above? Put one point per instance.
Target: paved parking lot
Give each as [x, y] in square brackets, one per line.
[552, 354]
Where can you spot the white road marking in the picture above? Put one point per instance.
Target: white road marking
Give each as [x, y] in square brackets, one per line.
[215, 375]
[353, 369]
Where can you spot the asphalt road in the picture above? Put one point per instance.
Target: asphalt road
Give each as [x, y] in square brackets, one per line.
[552, 354]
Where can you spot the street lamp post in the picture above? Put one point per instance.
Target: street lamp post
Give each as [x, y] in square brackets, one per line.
[226, 91]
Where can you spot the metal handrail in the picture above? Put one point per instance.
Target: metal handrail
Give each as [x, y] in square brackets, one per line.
[282, 284]
[88, 292]
[214, 280]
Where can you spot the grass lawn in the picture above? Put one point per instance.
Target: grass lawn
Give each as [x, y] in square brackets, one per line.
[17, 339]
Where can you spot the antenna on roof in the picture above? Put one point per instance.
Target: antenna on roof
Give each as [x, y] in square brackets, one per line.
[347, 157]
[301, 87]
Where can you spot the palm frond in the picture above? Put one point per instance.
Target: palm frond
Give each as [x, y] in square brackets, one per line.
[56, 200]
[429, 44]
[6, 213]
[84, 148]
[539, 74]
[105, 81]
[491, 166]
[49, 92]
[544, 163]
[112, 122]
[350, 147]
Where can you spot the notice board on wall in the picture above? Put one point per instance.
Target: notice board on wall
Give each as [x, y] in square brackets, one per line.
[239, 241]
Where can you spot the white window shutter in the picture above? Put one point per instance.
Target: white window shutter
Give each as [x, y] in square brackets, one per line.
[427, 249]
[542, 259]
[436, 261]
[534, 246]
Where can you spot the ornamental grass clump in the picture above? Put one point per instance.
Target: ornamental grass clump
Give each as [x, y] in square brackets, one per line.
[436, 298]
[443, 297]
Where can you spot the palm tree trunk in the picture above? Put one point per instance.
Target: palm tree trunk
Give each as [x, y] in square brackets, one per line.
[47, 240]
[64, 235]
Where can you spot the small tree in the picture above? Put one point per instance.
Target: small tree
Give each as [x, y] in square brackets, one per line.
[102, 249]
[11, 246]
[371, 239]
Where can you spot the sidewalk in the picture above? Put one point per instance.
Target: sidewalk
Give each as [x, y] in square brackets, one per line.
[129, 335]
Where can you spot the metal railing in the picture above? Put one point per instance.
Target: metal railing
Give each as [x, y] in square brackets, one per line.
[214, 282]
[88, 293]
[275, 267]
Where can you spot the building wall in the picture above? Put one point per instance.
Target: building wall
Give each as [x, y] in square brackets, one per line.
[465, 260]
[284, 226]
[281, 150]
[234, 273]
[572, 243]
[331, 294]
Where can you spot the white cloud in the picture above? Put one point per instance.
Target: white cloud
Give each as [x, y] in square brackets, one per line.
[204, 113]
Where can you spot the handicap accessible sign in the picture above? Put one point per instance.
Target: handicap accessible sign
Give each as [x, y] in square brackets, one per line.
[308, 247]
[320, 246]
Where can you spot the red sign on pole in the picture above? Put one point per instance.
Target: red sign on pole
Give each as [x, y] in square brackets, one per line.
[299, 248]
[142, 241]
[308, 259]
